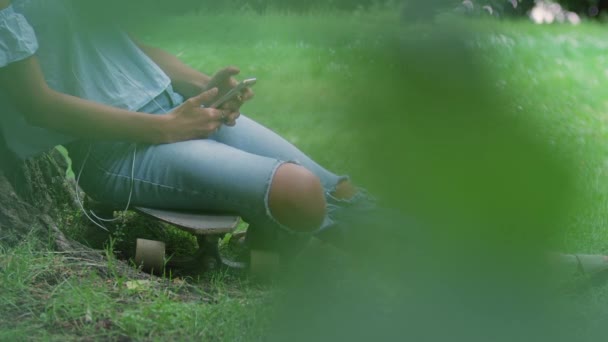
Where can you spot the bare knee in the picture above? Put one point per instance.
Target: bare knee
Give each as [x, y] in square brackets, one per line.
[297, 198]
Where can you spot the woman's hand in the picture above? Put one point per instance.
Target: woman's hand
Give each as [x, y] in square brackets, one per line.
[191, 121]
[224, 80]
[189, 82]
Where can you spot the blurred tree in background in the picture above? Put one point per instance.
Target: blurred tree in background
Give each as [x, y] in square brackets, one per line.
[591, 8]
[411, 9]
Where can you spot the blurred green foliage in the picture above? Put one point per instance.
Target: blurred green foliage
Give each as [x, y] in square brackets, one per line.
[291, 5]
[477, 197]
[117, 7]
[477, 194]
[122, 11]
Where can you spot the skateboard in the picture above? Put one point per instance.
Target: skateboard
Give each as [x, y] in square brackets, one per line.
[209, 229]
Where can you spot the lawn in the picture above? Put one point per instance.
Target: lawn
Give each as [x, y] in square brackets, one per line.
[307, 67]
[560, 71]
[310, 69]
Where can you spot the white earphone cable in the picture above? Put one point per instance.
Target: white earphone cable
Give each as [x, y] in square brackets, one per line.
[94, 218]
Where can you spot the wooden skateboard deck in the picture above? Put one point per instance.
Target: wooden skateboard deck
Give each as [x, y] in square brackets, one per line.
[195, 223]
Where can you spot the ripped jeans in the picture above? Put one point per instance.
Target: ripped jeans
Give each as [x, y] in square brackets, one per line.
[230, 172]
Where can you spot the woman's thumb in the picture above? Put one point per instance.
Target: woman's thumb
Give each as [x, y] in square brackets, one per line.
[206, 96]
[226, 73]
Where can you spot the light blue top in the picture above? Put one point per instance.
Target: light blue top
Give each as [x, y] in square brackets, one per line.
[98, 64]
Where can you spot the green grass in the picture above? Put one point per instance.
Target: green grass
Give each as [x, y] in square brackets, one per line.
[43, 298]
[306, 66]
[310, 66]
[303, 65]
[560, 73]
[308, 69]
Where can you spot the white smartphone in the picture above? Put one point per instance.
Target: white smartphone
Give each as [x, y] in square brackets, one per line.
[234, 92]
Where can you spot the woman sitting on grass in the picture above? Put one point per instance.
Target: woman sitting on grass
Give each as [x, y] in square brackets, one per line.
[139, 128]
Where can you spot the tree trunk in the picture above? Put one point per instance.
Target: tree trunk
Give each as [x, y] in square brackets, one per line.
[33, 196]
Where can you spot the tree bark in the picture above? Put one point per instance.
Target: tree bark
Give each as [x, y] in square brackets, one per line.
[28, 193]
[34, 194]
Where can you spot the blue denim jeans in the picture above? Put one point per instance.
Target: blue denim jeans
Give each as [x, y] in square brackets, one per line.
[230, 172]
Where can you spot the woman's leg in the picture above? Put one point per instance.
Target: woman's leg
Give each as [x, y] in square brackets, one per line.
[204, 175]
[253, 137]
[344, 201]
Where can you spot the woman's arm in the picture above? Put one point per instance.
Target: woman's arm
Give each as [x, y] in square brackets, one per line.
[185, 80]
[189, 82]
[25, 85]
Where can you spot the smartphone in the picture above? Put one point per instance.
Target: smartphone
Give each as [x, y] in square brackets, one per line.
[234, 92]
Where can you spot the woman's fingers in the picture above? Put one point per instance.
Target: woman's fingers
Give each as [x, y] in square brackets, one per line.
[232, 106]
[227, 72]
[224, 78]
[213, 121]
[190, 121]
[228, 117]
[236, 103]
[231, 118]
[248, 94]
[212, 118]
[208, 120]
[202, 98]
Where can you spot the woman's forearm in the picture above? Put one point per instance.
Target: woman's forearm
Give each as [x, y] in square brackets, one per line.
[90, 120]
[24, 84]
[186, 80]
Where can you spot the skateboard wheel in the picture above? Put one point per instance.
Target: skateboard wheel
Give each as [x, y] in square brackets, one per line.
[150, 255]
